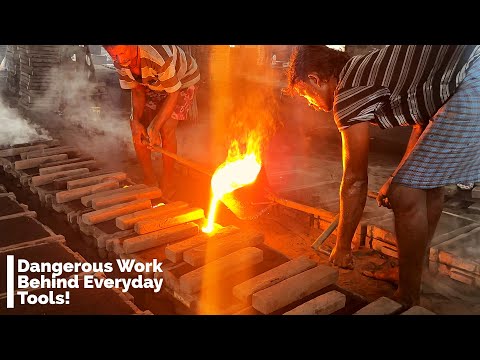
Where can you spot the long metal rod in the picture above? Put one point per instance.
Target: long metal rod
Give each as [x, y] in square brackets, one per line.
[324, 214]
[334, 224]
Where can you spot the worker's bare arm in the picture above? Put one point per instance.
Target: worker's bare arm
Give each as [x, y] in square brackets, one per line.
[138, 105]
[353, 190]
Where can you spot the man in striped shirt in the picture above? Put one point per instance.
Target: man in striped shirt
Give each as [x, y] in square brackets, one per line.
[162, 80]
[433, 89]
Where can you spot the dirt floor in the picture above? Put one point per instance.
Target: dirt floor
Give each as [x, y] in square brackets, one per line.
[306, 141]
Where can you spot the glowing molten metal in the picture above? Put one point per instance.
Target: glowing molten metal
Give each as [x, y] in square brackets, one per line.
[237, 171]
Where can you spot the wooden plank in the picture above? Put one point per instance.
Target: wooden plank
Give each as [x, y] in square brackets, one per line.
[294, 288]
[171, 219]
[128, 221]
[158, 238]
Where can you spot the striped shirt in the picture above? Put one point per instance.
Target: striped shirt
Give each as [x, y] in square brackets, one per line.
[163, 68]
[400, 85]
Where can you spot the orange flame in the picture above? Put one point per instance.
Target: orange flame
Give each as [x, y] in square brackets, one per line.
[126, 186]
[240, 169]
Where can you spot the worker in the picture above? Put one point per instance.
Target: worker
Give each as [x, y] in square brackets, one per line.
[433, 89]
[162, 79]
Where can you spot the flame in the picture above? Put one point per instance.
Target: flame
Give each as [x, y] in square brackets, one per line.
[240, 169]
[126, 186]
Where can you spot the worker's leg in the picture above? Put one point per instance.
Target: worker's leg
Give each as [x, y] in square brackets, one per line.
[434, 211]
[169, 143]
[412, 231]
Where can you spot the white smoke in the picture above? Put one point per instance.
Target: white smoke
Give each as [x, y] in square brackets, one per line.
[16, 130]
[92, 126]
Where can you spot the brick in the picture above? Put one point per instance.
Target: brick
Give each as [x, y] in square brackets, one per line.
[112, 212]
[174, 252]
[248, 311]
[102, 239]
[245, 290]
[385, 248]
[294, 288]
[69, 195]
[61, 183]
[219, 270]
[48, 179]
[381, 306]
[171, 219]
[321, 305]
[74, 184]
[18, 150]
[128, 221]
[114, 199]
[88, 164]
[206, 253]
[48, 152]
[458, 262]
[87, 200]
[158, 238]
[67, 161]
[33, 163]
[417, 310]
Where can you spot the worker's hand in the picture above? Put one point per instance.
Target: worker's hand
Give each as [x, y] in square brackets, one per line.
[154, 136]
[139, 132]
[382, 198]
[342, 257]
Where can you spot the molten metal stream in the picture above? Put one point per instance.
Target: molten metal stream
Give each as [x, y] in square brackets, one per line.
[230, 176]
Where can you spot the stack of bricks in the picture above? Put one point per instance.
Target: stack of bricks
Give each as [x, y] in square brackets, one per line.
[12, 62]
[39, 71]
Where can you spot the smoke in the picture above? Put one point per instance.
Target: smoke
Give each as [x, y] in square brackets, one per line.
[252, 123]
[17, 130]
[87, 121]
[244, 102]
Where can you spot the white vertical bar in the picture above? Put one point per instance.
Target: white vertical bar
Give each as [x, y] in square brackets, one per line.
[10, 282]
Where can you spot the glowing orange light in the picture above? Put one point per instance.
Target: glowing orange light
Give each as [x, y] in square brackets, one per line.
[126, 186]
[159, 204]
[238, 170]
